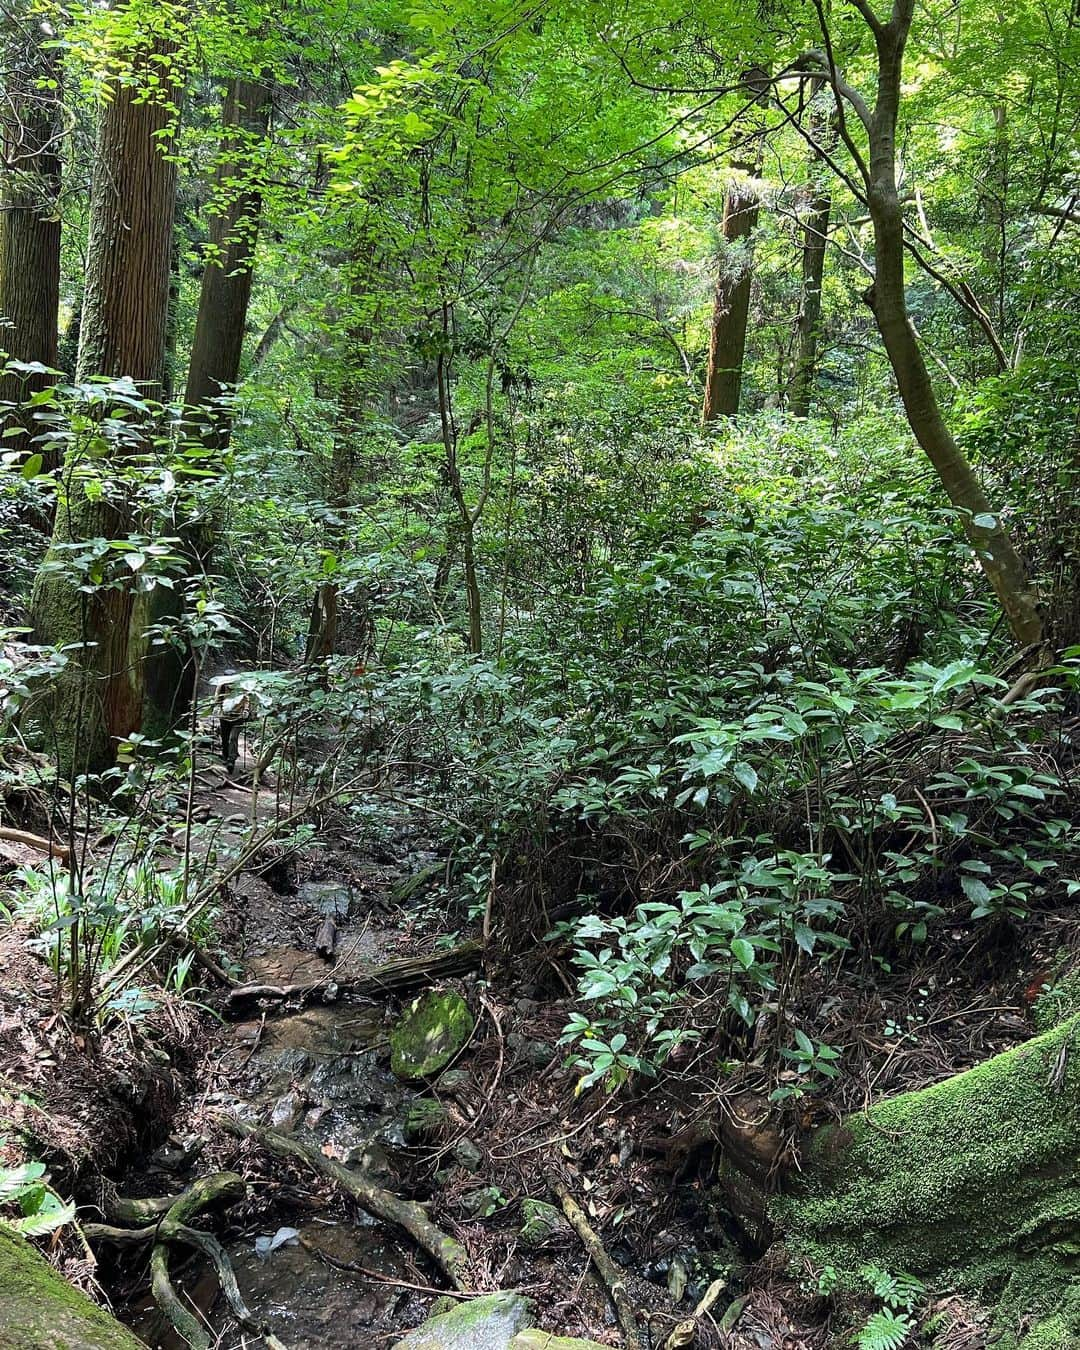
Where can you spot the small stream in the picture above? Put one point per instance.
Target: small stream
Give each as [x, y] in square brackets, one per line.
[322, 1074]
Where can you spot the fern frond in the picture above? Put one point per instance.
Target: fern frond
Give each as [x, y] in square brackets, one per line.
[886, 1330]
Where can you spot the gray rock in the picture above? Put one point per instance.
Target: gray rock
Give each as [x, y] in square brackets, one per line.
[468, 1155]
[481, 1204]
[488, 1323]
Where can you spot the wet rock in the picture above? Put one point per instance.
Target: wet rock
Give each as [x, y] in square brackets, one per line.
[535, 1339]
[454, 1082]
[287, 1111]
[328, 898]
[468, 1155]
[543, 1223]
[429, 1035]
[371, 1159]
[540, 1053]
[488, 1323]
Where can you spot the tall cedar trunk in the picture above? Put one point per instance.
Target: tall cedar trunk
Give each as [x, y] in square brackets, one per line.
[226, 282]
[815, 243]
[29, 222]
[731, 305]
[887, 299]
[123, 331]
[214, 368]
[322, 637]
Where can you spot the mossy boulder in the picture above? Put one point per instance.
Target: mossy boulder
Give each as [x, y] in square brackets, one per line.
[973, 1182]
[432, 1031]
[533, 1339]
[40, 1311]
[487, 1323]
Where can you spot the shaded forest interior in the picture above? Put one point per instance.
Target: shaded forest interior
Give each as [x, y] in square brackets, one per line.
[539, 675]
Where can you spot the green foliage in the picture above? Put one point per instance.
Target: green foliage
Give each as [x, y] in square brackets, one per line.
[41, 1210]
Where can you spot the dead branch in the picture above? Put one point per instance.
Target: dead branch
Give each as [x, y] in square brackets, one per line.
[609, 1272]
[448, 1254]
[393, 978]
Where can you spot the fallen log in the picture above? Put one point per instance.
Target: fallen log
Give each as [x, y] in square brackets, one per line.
[448, 1254]
[395, 977]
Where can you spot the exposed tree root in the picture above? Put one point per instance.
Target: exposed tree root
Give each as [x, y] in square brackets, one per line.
[609, 1272]
[448, 1254]
[393, 978]
[164, 1220]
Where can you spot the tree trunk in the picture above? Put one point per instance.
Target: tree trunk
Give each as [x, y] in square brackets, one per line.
[102, 696]
[886, 297]
[325, 610]
[29, 222]
[731, 305]
[815, 242]
[226, 283]
[126, 309]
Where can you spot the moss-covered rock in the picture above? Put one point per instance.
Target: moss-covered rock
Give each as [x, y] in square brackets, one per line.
[533, 1339]
[430, 1034]
[424, 1119]
[973, 1182]
[487, 1323]
[542, 1223]
[41, 1311]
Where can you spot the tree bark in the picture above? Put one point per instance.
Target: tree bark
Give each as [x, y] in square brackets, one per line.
[227, 277]
[29, 219]
[731, 303]
[815, 243]
[325, 609]
[982, 524]
[101, 698]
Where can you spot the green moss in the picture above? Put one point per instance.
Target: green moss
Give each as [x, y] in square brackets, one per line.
[1060, 1001]
[41, 1311]
[424, 1119]
[486, 1323]
[973, 1182]
[433, 1030]
[532, 1339]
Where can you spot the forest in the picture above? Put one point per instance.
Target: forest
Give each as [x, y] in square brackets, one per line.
[540, 674]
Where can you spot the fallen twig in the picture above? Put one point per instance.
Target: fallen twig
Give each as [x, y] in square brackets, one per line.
[49, 846]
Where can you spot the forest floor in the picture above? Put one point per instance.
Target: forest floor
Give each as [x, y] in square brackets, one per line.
[143, 1109]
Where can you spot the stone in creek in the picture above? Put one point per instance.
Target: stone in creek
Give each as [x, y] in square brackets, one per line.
[287, 1111]
[329, 898]
[429, 1035]
[487, 1323]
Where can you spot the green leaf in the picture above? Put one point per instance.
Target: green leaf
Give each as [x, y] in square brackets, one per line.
[746, 774]
[743, 952]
